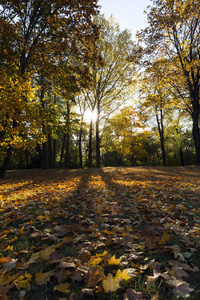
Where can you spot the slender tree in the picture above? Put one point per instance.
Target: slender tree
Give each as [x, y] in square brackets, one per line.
[113, 76]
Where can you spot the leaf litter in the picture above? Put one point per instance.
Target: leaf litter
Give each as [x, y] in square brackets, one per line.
[109, 233]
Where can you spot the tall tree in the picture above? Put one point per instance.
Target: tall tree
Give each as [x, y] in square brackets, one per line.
[29, 30]
[174, 31]
[113, 75]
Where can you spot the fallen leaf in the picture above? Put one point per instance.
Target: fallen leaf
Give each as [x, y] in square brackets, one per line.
[23, 281]
[46, 253]
[123, 275]
[43, 278]
[165, 238]
[114, 261]
[95, 261]
[133, 295]
[21, 231]
[63, 288]
[182, 290]
[8, 266]
[110, 284]
[93, 276]
[5, 259]
[88, 292]
[84, 255]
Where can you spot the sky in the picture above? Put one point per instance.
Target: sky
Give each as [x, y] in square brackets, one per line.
[128, 13]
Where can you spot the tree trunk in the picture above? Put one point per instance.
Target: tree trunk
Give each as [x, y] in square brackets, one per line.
[50, 153]
[80, 147]
[62, 150]
[98, 154]
[44, 156]
[181, 157]
[54, 153]
[67, 158]
[195, 129]
[90, 146]
[38, 149]
[161, 134]
[6, 163]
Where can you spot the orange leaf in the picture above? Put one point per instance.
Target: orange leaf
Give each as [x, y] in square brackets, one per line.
[21, 231]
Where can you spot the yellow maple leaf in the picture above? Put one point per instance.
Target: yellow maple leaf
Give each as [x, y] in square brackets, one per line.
[63, 288]
[42, 278]
[111, 284]
[102, 254]
[114, 261]
[122, 275]
[23, 281]
[95, 261]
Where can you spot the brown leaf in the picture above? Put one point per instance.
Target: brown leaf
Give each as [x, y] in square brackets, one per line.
[84, 255]
[80, 273]
[94, 276]
[133, 295]
[4, 289]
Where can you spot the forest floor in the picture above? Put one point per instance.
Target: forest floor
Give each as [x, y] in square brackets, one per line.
[110, 233]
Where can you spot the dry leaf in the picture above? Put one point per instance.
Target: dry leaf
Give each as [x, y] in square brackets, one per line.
[182, 290]
[63, 288]
[133, 295]
[123, 275]
[166, 237]
[114, 261]
[94, 276]
[95, 261]
[8, 266]
[110, 284]
[46, 253]
[43, 278]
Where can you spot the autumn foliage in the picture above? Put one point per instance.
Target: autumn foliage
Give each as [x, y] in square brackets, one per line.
[100, 234]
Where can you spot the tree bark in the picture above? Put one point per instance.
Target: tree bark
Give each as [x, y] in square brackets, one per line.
[38, 149]
[195, 129]
[161, 134]
[67, 157]
[54, 153]
[5, 166]
[62, 150]
[80, 147]
[50, 153]
[181, 157]
[90, 146]
[98, 153]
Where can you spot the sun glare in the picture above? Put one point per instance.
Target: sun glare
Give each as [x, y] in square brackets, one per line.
[90, 116]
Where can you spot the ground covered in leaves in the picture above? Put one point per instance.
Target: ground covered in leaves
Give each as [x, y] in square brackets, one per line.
[111, 233]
